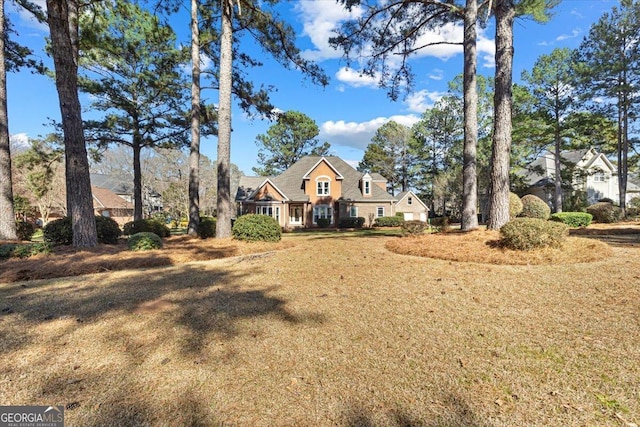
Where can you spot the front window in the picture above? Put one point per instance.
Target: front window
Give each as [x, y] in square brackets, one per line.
[322, 211]
[353, 211]
[322, 188]
[599, 177]
[272, 211]
[380, 211]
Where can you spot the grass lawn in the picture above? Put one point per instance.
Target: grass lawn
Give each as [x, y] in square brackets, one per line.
[331, 330]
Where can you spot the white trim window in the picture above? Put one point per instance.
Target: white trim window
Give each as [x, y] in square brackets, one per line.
[269, 210]
[599, 177]
[380, 211]
[353, 211]
[322, 212]
[367, 187]
[323, 187]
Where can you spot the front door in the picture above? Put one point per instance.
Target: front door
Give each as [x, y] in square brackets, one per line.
[295, 215]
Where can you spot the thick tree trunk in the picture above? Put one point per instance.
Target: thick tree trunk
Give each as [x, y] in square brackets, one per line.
[501, 148]
[225, 207]
[7, 214]
[194, 155]
[469, 174]
[79, 197]
[137, 180]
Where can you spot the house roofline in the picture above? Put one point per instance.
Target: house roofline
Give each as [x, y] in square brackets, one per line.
[333, 168]
[415, 198]
[254, 192]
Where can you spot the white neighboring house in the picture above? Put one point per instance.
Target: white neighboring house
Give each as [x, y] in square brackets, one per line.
[593, 173]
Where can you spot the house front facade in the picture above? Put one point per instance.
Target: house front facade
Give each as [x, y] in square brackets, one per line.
[317, 189]
[592, 173]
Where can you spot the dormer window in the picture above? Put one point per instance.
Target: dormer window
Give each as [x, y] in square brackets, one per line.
[367, 187]
[323, 186]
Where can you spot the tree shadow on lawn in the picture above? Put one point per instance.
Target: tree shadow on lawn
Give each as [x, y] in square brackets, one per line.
[455, 412]
[618, 237]
[195, 296]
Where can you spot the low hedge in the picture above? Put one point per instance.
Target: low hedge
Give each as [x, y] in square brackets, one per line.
[351, 222]
[440, 223]
[389, 221]
[17, 250]
[533, 233]
[534, 207]
[144, 241]
[207, 227]
[146, 225]
[413, 228]
[573, 219]
[254, 227]
[604, 212]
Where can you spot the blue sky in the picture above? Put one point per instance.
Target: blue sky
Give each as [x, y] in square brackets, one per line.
[350, 109]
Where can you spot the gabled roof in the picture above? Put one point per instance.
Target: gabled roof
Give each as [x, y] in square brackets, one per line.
[542, 170]
[323, 159]
[267, 180]
[106, 199]
[410, 193]
[116, 185]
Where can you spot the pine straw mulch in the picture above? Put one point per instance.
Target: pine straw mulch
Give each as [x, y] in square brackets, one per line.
[483, 246]
[68, 261]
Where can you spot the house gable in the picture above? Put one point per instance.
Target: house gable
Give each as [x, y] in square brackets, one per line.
[416, 203]
[267, 191]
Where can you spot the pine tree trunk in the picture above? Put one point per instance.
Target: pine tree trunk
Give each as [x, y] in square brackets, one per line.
[7, 214]
[194, 155]
[469, 174]
[79, 197]
[137, 179]
[623, 153]
[557, 194]
[501, 148]
[225, 208]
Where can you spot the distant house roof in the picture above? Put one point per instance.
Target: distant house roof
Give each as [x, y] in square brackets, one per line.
[542, 171]
[106, 199]
[290, 182]
[116, 185]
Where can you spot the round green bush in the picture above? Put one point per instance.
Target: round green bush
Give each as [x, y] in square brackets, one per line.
[413, 228]
[207, 227]
[323, 222]
[253, 227]
[441, 224]
[24, 230]
[534, 207]
[144, 241]
[58, 232]
[515, 205]
[351, 222]
[533, 233]
[604, 212]
[573, 219]
[108, 230]
[146, 225]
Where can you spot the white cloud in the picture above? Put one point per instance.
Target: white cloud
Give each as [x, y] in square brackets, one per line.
[27, 17]
[419, 102]
[575, 33]
[436, 74]
[19, 141]
[319, 21]
[356, 79]
[358, 134]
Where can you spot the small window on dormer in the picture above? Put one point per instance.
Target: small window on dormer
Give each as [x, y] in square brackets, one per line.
[367, 187]
[410, 201]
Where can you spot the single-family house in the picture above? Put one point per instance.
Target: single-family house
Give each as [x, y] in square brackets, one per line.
[109, 204]
[324, 188]
[592, 173]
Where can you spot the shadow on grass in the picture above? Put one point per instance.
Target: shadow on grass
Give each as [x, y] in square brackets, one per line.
[618, 237]
[456, 412]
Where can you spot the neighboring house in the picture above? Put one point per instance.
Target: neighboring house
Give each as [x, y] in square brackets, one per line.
[152, 201]
[323, 187]
[109, 204]
[593, 174]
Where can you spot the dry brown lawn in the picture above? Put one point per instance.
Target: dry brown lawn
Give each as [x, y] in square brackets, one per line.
[331, 331]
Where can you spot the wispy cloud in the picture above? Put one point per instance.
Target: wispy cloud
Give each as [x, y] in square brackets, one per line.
[419, 102]
[26, 17]
[575, 33]
[358, 134]
[436, 74]
[356, 78]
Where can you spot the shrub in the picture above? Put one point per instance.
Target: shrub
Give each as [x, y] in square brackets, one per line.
[534, 207]
[605, 200]
[253, 227]
[389, 221]
[24, 230]
[144, 241]
[108, 230]
[58, 232]
[532, 233]
[323, 222]
[146, 225]
[573, 219]
[604, 212]
[440, 223]
[351, 222]
[207, 227]
[23, 250]
[515, 205]
[633, 212]
[413, 228]
[635, 202]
